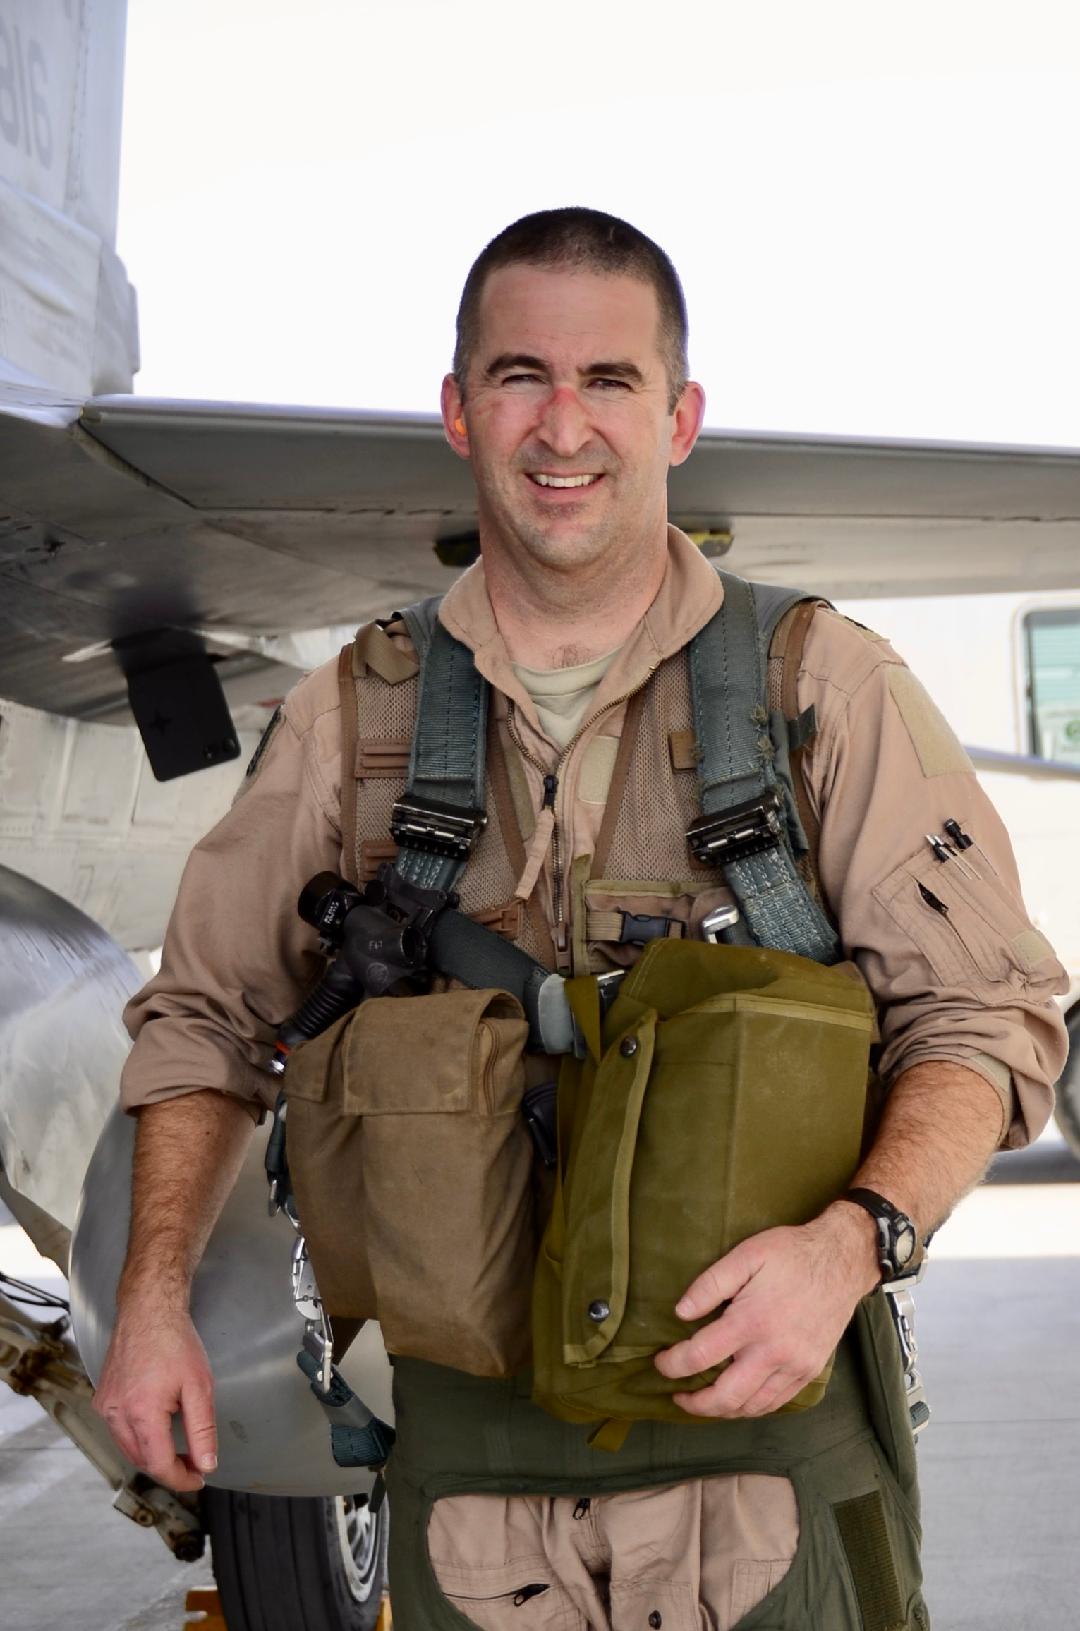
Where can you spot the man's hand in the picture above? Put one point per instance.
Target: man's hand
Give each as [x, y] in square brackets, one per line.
[786, 1297]
[156, 1365]
[187, 1153]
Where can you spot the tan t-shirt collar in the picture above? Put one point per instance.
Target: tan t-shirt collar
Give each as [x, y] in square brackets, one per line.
[563, 696]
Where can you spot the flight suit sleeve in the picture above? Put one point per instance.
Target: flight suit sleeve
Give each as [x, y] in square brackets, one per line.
[237, 958]
[958, 970]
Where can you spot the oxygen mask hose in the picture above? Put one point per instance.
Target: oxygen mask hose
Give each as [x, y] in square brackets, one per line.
[325, 902]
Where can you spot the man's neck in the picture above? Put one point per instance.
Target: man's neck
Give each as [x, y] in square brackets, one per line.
[558, 619]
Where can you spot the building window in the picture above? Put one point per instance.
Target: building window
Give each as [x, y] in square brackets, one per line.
[1052, 646]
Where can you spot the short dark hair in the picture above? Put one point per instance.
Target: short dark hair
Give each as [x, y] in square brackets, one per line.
[594, 242]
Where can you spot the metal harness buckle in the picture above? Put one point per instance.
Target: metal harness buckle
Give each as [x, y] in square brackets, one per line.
[902, 1309]
[608, 986]
[434, 827]
[732, 835]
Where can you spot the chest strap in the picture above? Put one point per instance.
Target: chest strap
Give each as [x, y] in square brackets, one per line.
[749, 824]
[442, 814]
[437, 822]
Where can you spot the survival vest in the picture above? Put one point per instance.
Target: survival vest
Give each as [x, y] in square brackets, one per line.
[423, 775]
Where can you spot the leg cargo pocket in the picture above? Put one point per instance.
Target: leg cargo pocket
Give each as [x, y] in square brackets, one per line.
[539, 1605]
[491, 1557]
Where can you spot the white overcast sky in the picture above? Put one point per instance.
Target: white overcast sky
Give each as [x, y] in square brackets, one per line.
[873, 207]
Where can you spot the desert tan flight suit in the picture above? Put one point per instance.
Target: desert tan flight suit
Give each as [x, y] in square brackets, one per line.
[972, 983]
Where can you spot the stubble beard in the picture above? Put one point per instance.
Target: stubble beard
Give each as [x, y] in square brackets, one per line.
[560, 555]
[573, 554]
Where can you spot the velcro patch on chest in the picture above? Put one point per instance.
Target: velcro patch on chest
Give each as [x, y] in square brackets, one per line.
[597, 769]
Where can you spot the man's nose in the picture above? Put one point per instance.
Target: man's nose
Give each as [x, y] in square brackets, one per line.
[564, 424]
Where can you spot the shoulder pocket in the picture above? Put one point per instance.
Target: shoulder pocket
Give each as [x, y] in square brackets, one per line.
[972, 930]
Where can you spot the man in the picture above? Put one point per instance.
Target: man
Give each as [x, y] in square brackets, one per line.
[570, 399]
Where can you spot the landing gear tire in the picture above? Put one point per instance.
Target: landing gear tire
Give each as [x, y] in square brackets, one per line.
[283, 1563]
[1067, 1113]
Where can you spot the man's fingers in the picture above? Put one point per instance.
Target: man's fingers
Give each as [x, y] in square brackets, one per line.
[774, 1392]
[725, 1397]
[717, 1284]
[158, 1455]
[752, 1385]
[200, 1430]
[710, 1346]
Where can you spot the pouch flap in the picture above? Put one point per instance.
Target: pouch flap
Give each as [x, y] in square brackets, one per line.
[446, 1051]
[673, 976]
[596, 1265]
[307, 1075]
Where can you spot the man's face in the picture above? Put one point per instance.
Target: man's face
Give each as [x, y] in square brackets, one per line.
[566, 417]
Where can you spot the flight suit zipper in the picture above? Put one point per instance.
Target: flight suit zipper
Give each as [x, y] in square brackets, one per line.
[551, 781]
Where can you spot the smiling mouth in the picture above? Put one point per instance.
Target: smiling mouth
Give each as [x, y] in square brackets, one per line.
[541, 479]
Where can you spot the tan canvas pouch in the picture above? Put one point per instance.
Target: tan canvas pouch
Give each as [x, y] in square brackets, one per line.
[412, 1167]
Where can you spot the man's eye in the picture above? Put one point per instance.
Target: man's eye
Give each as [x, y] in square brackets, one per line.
[520, 379]
[607, 384]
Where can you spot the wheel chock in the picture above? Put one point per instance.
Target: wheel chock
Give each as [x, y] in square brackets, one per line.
[202, 1609]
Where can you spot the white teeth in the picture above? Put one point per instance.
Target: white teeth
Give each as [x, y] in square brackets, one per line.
[565, 481]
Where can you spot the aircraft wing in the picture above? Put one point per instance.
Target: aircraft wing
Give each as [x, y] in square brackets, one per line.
[141, 518]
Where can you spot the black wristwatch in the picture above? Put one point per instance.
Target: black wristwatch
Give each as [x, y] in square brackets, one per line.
[897, 1236]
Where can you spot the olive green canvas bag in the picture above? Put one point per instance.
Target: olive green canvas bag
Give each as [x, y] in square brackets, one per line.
[724, 1093]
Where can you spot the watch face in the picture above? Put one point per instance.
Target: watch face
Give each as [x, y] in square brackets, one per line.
[904, 1244]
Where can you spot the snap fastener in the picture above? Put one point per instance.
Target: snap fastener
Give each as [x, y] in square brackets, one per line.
[599, 1310]
[656, 1619]
[628, 1046]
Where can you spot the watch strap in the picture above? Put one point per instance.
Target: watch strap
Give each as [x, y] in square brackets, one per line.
[891, 1222]
[872, 1202]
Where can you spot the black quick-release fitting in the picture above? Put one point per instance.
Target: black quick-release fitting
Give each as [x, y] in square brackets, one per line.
[539, 1107]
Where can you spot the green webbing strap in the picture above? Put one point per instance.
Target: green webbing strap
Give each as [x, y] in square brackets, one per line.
[865, 1538]
[446, 766]
[728, 689]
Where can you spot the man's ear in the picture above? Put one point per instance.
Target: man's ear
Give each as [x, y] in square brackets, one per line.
[453, 417]
[688, 419]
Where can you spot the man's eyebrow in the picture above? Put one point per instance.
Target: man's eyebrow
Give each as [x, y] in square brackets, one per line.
[616, 370]
[515, 359]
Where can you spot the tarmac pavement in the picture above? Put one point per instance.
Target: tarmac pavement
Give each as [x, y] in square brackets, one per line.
[999, 1339]
[999, 1336]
